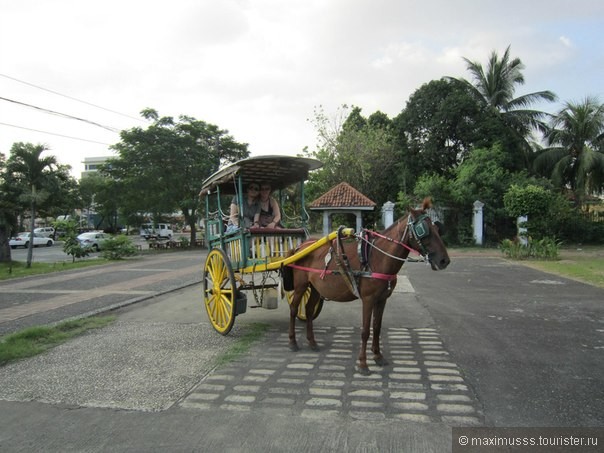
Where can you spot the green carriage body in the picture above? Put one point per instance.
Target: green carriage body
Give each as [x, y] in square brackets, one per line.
[251, 252]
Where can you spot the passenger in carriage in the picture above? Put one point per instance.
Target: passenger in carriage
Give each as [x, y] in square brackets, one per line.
[251, 209]
[269, 215]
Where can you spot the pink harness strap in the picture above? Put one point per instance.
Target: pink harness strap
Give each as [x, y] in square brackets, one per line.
[379, 276]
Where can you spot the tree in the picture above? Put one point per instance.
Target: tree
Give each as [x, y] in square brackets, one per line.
[160, 169]
[574, 157]
[8, 209]
[356, 150]
[436, 130]
[494, 87]
[28, 167]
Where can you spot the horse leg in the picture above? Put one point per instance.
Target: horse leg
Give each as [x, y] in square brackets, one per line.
[378, 313]
[293, 313]
[313, 299]
[365, 330]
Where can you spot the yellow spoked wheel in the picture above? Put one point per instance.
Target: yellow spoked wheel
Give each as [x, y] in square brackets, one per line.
[302, 307]
[219, 291]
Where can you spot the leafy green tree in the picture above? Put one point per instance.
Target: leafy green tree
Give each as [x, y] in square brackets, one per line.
[160, 169]
[31, 170]
[356, 152]
[436, 130]
[8, 210]
[574, 157]
[101, 195]
[494, 87]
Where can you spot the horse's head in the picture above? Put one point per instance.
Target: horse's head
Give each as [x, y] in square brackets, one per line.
[425, 236]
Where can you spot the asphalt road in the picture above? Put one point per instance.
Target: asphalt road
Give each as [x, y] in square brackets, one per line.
[54, 297]
[486, 342]
[530, 344]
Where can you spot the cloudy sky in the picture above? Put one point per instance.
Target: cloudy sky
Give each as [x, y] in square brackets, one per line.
[259, 68]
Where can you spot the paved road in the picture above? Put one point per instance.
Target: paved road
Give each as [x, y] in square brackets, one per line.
[484, 343]
[53, 297]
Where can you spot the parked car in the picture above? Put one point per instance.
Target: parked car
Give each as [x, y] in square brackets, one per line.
[22, 240]
[93, 240]
[48, 232]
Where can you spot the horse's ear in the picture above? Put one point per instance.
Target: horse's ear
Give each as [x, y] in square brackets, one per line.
[427, 203]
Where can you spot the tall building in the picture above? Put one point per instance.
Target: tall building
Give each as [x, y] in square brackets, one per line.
[91, 164]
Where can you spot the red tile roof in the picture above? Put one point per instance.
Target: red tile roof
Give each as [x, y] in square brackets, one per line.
[342, 196]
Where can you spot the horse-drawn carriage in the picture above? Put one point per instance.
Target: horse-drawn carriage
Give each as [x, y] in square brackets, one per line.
[342, 266]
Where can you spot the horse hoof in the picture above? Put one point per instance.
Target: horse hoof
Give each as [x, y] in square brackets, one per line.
[381, 361]
[293, 347]
[314, 347]
[364, 370]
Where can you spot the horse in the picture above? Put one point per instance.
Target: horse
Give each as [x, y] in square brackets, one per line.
[344, 270]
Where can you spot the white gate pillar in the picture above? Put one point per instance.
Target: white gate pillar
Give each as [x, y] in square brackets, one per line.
[326, 223]
[478, 222]
[388, 214]
[522, 232]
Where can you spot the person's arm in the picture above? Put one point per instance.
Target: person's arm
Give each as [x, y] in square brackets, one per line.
[256, 219]
[276, 213]
[234, 215]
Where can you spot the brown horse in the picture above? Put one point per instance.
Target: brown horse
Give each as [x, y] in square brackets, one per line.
[338, 272]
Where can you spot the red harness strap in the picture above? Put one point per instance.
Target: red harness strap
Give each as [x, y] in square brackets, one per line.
[379, 276]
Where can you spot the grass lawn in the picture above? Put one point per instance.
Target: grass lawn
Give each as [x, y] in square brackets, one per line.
[585, 264]
[582, 263]
[34, 340]
[18, 269]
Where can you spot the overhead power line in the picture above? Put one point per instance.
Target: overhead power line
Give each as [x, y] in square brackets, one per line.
[64, 115]
[71, 97]
[53, 133]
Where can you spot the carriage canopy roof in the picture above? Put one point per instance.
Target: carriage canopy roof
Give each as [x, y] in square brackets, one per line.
[278, 171]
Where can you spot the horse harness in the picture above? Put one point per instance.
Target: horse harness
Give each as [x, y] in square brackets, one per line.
[417, 228]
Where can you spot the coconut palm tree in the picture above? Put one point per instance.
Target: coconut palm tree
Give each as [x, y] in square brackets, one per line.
[494, 87]
[574, 157]
[28, 167]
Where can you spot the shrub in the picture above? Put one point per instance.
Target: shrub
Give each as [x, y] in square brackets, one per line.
[542, 249]
[71, 245]
[117, 247]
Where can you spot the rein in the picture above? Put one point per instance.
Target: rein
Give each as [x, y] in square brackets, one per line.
[381, 236]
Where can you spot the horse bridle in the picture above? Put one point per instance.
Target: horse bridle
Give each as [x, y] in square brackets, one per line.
[419, 230]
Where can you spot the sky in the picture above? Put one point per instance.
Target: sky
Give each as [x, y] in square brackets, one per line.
[261, 68]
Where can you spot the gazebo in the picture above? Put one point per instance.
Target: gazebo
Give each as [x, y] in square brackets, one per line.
[342, 198]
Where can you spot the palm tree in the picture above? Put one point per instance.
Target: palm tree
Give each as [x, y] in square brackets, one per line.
[27, 166]
[575, 155]
[494, 88]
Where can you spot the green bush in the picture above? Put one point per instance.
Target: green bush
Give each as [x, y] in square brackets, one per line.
[542, 249]
[71, 245]
[547, 211]
[117, 247]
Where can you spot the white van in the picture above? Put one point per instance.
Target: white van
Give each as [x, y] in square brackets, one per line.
[160, 230]
[47, 232]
